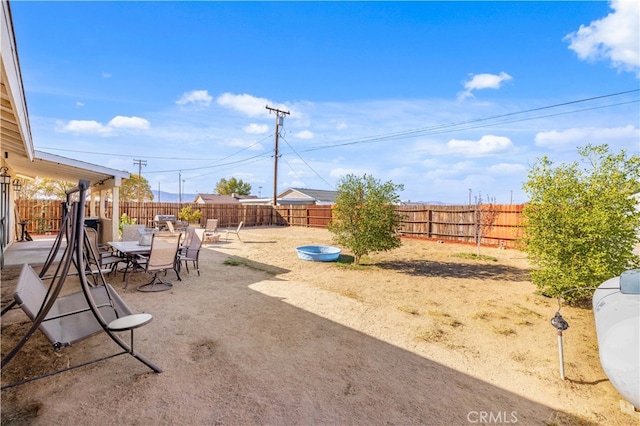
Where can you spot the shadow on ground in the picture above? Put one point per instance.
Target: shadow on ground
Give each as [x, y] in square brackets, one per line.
[428, 268]
[234, 351]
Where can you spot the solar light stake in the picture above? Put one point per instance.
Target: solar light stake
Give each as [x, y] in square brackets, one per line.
[560, 354]
[560, 324]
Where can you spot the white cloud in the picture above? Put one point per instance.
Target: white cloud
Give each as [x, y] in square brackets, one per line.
[483, 81]
[580, 136]
[121, 122]
[79, 104]
[246, 104]
[614, 37]
[256, 129]
[90, 127]
[199, 98]
[487, 145]
[106, 74]
[304, 134]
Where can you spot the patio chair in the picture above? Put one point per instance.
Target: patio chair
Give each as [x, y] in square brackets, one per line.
[162, 257]
[101, 257]
[235, 231]
[211, 230]
[191, 251]
[187, 235]
[131, 232]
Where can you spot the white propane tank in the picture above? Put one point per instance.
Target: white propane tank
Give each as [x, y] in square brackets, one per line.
[616, 308]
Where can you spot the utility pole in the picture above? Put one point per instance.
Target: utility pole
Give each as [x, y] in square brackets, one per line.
[139, 163]
[180, 187]
[279, 118]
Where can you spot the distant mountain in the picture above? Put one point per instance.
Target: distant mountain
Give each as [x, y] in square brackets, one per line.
[169, 197]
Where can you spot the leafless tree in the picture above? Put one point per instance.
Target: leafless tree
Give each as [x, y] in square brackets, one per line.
[484, 217]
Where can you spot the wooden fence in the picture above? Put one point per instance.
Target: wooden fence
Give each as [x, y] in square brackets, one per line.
[457, 223]
[439, 222]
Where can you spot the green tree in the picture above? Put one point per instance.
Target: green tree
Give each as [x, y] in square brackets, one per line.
[581, 223]
[232, 186]
[29, 189]
[364, 215]
[50, 188]
[129, 189]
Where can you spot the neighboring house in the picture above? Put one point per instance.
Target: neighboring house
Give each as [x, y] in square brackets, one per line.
[307, 196]
[299, 196]
[18, 158]
[222, 199]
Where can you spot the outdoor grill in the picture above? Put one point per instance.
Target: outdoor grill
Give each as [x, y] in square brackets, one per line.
[160, 221]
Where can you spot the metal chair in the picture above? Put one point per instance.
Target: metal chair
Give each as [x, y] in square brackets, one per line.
[104, 259]
[191, 251]
[162, 257]
[211, 230]
[235, 231]
[131, 232]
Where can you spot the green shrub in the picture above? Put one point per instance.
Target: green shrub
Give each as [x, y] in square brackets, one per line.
[188, 215]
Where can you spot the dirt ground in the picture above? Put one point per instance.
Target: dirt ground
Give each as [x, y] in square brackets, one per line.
[415, 336]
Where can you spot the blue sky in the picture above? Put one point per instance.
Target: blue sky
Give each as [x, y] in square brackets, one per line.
[442, 97]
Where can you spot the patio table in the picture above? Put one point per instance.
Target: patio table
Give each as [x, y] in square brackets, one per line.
[131, 250]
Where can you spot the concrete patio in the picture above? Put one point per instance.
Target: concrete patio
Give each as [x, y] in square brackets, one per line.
[32, 252]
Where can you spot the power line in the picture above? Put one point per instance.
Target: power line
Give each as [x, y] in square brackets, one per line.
[172, 158]
[304, 161]
[111, 154]
[476, 123]
[485, 122]
[554, 110]
[243, 160]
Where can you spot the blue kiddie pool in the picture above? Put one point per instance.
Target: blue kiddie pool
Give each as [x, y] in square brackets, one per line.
[319, 253]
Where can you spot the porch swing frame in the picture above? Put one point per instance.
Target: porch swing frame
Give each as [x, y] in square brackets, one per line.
[78, 312]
